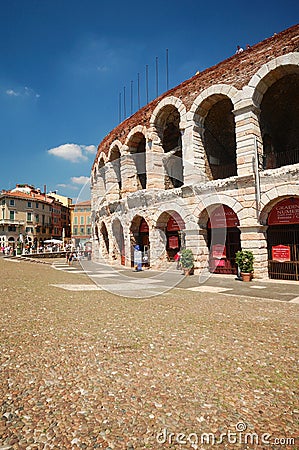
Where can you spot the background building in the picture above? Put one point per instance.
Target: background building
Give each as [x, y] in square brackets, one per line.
[212, 165]
[81, 223]
[29, 217]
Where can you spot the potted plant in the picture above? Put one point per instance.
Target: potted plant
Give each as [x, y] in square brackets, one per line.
[244, 260]
[187, 261]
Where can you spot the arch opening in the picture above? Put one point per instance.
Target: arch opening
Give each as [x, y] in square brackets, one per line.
[118, 234]
[140, 243]
[137, 148]
[171, 139]
[283, 240]
[220, 140]
[223, 240]
[173, 227]
[279, 122]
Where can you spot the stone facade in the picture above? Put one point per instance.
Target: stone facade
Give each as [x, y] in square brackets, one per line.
[228, 136]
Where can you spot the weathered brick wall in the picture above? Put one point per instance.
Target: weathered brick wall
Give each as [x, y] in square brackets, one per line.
[235, 71]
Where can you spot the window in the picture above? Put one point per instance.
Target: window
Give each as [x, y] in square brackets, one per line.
[81, 230]
[43, 206]
[76, 220]
[36, 205]
[81, 220]
[29, 217]
[29, 230]
[88, 230]
[11, 215]
[37, 218]
[11, 203]
[88, 220]
[75, 230]
[29, 205]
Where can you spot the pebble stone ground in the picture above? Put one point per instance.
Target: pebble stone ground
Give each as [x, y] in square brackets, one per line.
[92, 370]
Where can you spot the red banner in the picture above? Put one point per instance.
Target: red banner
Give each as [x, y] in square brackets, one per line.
[285, 212]
[173, 242]
[223, 217]
[281, 253]
[218, 251]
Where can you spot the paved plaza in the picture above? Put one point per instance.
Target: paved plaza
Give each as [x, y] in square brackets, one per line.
[178, 364]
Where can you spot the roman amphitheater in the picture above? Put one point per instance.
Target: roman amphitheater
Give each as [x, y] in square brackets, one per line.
[211, 165]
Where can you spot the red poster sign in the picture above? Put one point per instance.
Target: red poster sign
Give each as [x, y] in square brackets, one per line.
[223, 217]
[218, 251]
[173, 242]
[285, 212]
[281, 253]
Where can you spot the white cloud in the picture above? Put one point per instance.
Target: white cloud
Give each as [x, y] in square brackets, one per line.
[24, 92]
[12, 93]
[90, 149]
[73, 152]
[80, 180]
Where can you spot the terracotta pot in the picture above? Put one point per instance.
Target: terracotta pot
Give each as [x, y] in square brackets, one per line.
[246, 276]
[188, 272]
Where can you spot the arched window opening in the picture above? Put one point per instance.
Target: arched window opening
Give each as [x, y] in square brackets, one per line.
[173, 227]
[140, 241]
[105, 236]
[220, 141]
[172, 146]
[118, 234]
[116, 164]
[279, 121]
[137, 146]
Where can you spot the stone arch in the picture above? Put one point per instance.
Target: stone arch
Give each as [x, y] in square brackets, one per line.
[275, 91]
[208, 204]
[214, 133]
[114, 158]
[136, 145]
[169, 121]
[105, 238]
[208, 97]
[269, 73]
[118, 251]
[139, 240]
[273, 196]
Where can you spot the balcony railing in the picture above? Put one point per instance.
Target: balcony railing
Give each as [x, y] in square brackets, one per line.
[279, 159]
[12, 222]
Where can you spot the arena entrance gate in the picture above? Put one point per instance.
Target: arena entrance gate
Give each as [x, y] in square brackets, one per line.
[174, 236]
[223, 240]
[283, 240]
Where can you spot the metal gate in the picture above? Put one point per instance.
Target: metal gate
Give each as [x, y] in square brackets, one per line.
[287, 235]
[224, 263]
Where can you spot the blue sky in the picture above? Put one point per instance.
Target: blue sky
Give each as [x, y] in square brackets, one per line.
[63, 64]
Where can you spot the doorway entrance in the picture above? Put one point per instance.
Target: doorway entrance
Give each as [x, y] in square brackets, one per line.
[283, 240]
[223, 240]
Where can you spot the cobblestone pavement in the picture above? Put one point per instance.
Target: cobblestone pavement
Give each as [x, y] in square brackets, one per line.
[89, 369]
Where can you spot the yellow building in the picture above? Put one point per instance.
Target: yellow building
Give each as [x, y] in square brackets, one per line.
[81, 223]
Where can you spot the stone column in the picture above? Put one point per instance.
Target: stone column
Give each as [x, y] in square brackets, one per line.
[112, 189]
[202, 265]
[193, 154]
[254, 238]
[158, 257]
[128, 174]
[247, 130]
